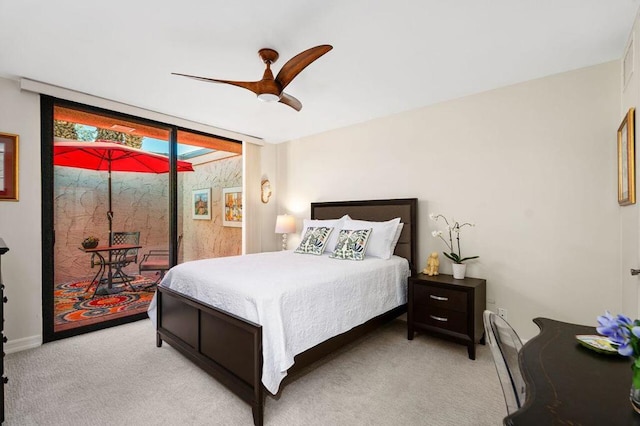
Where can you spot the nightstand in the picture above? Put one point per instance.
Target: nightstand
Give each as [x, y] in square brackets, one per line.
[447, 307]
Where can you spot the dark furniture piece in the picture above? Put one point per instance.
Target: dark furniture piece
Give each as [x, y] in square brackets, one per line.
[130, 238]
[157, 260]
[447, 307]
[568, 384]
[118, 259]
[505, 347]
[3, 250]
[230, 348]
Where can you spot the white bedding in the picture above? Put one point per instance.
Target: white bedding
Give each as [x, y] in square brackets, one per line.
[299, 299]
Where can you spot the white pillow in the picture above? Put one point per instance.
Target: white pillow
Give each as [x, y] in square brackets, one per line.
[394, 243]
[336, 224]
[383, 234]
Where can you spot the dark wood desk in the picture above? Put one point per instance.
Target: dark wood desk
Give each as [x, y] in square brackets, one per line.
[568, 384]
[117, 252]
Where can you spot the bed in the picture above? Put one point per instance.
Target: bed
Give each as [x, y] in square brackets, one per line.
[235, 349]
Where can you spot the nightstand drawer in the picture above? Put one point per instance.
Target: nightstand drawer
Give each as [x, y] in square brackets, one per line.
[442, 318]
[452, 308]
[437, 297]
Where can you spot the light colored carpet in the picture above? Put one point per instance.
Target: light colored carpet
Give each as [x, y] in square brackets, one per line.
[118, 377]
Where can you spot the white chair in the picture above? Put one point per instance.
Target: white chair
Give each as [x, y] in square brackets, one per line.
[505, 346]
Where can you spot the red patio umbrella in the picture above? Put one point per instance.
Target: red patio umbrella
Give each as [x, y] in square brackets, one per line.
[111, 156]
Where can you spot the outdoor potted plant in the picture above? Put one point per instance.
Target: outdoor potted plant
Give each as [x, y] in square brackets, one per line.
[90, 242]
[459, 268]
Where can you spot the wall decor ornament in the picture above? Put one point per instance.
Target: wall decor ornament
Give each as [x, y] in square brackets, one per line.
[627, 160]
[265, 190]
[201, 203]
[232, 206]
[8, 167]
[433, 263]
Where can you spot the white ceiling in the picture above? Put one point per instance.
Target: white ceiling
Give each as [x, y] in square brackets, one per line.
[388, 56]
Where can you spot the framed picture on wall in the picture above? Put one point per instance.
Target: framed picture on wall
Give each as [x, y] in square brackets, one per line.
[627, 160]
[232, 206]
[201, 203]
[8, 167]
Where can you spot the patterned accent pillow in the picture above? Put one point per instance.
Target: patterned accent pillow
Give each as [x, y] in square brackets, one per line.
[351, 244]
[314, 240]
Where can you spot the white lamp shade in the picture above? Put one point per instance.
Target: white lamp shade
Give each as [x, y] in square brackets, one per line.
[285, 224]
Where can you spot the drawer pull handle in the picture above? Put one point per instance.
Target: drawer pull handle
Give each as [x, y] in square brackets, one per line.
[439, 318]
[433, 296]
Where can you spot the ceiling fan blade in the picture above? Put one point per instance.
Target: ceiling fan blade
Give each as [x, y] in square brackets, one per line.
[299, 62]
[254, 86]
[291, 101]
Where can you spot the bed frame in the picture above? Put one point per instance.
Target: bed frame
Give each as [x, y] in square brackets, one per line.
[229, 348]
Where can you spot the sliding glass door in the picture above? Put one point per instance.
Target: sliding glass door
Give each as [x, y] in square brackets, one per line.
[123, 200]
[210, 198]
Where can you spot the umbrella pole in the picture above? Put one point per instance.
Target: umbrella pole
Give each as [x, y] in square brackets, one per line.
[110, 219]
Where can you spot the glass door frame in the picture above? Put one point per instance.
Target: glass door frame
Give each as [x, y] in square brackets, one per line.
[47, 104]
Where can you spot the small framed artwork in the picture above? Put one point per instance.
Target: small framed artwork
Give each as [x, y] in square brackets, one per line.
[8, 167]
[201, 202]
[626, 160]
[232, 206]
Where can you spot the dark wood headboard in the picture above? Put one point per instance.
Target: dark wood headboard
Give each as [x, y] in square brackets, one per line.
[379, 210]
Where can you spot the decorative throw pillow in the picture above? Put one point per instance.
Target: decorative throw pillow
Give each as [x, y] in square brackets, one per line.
[352, 244]
[336, 224]
[314, 240]
[382, 235]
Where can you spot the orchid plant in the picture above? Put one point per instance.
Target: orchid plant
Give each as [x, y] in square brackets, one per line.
[454, 255]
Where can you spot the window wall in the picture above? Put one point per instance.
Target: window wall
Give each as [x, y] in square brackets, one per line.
[82, 200]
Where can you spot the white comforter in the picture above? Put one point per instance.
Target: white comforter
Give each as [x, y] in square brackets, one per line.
[300, 300]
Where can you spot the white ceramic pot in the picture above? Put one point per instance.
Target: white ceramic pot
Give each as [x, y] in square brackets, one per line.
[459, 270]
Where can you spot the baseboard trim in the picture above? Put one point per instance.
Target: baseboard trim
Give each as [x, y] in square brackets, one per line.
[17, 345]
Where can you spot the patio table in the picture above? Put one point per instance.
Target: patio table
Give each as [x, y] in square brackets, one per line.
[117, 255]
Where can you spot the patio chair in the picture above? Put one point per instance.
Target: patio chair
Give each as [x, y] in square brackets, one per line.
[127, 238]
[157, 261]
[122, 258]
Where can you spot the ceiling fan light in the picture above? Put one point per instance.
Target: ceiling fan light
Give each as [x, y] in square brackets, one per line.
[268, 97]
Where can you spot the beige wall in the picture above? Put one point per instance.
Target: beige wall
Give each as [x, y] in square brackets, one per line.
[629, 216]
[20, 221]
[533, 165]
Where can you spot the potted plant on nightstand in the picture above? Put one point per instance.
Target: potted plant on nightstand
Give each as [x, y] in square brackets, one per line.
[459, 267]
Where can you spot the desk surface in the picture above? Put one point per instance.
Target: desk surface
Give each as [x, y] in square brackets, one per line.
[570, 384]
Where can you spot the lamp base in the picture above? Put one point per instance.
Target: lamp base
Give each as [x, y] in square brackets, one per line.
[284, 242]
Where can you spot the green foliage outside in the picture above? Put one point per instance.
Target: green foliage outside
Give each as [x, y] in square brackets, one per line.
[64, 129]
[68, 130]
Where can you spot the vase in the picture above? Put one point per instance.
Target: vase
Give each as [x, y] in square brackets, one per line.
[634, 394]
[459, 270]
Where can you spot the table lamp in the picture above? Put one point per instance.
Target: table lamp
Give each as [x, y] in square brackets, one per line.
[284, 225]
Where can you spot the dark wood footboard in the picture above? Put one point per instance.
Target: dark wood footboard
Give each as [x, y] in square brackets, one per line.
[227, 347]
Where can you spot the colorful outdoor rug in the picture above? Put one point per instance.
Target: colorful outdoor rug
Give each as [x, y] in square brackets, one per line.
[74, 307]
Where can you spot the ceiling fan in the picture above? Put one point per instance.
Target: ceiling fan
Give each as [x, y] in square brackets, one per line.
[270, 89]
